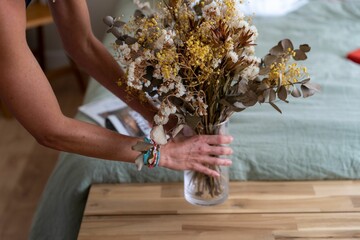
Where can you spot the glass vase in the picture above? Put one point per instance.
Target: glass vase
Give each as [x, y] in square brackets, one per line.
[201, 189]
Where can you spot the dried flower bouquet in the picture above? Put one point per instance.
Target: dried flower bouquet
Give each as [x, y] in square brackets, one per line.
[196, 60]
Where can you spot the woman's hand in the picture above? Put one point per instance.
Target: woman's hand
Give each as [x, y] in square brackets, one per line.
[196, 153]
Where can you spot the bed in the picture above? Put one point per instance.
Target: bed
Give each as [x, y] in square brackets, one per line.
[317, 138]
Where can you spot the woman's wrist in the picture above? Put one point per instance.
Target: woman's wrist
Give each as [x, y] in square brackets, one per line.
[149, 153]
[164, 155]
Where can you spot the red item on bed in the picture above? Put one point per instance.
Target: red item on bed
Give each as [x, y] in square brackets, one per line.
[354, 56]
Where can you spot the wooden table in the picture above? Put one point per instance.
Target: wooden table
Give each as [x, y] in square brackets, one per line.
[254, 210]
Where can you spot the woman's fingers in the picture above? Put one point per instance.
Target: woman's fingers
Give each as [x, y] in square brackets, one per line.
[206, 170]
[211, 145]
[215, 150]
[210, 160]
[202, 166]
[216, 139]
[197, 153]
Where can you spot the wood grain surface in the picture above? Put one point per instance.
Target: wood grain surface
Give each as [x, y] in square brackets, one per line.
[254, 210]
[37, 15]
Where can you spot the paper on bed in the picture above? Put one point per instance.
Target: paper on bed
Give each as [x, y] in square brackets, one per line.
[114, 114]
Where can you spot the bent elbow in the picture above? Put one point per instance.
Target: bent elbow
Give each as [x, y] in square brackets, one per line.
[51, 138]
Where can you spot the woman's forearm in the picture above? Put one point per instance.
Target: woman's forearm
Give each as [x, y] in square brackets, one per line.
[74, 136]
[95, 59]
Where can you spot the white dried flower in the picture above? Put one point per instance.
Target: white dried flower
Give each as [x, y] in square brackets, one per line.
[163, 89]
[157, 72]
[240, 24]
[141, 5]
[216, 62]
[147, 83]
[125, 50]
[189, 97]
[135, 47]
[160, 120]
[148, 54]
[255, 33]
[167, 110]
[180, 89]
[172, 86]
[239, 14]
[132, 81]
[250, 72]
[131, 72]
[233, 55]
[250, 50]
[166, 38]
[138, 60]
[211, 10]
[194, 2]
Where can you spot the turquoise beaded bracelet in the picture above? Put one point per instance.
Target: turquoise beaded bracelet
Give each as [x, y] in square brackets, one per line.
[151, 158]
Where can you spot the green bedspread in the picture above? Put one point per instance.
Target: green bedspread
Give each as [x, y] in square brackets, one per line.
[314, 138]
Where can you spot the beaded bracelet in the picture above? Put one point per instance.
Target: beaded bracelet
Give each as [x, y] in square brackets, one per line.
[151, 158]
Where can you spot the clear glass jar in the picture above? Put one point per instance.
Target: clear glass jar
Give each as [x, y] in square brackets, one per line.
[201, 189]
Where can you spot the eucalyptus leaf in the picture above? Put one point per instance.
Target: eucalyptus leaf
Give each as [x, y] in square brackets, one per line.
[115, 31]
[261, 98]
[119, 42]
[312, 86]
[270, 59]
[181, 104]
[181, 118]
[309, 89]
[109, 21]
[130, 40]
[139, 14]
[248, 99]
[276, 107]
[286, 44]
[272, 95]
[277, 50]
[282, 93]
[158, 135]
[231, 106]
[177, 129]
[305, 80]
[251, 99]
[139, 162]
[142, 146]
[305, 48]
[264, 70]
[119, 24]
[192, 121]
[299, 55]
[295, 92]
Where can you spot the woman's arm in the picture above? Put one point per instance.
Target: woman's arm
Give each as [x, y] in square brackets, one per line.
[73, 22]
[28, 94]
